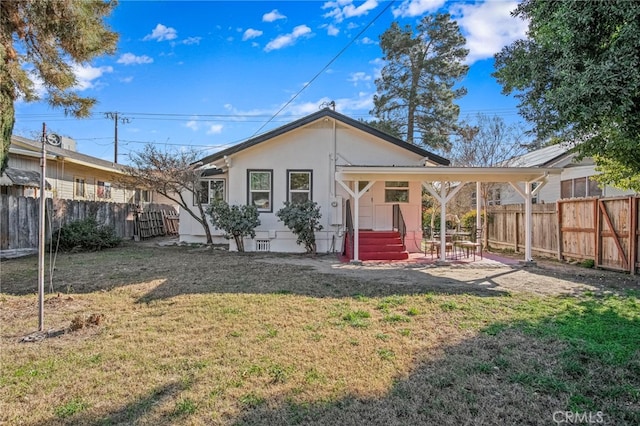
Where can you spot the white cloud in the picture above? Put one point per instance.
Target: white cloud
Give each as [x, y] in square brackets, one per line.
[367, 40]
[191, 40]
[88, 75]
[285, 40]
[358, 77]
[126, 79]
[363, 102]
[131, 59]
[411, 8]
[161, 33]
[343, 9]
[272, 16]
[211, 129]
[251, 33]
[332, 30]
[193, 125]
[215, 129]
[488, 27]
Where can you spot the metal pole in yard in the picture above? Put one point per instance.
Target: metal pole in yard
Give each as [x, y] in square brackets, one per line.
[41, 231]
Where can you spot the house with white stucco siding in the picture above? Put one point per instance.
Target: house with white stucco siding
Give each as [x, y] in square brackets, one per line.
[303, 160]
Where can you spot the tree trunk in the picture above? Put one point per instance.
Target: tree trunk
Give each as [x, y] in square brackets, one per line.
[239, 242]
[7, 119]
[205, 223]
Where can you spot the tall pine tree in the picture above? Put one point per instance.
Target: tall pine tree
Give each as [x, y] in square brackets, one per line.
[416, 89]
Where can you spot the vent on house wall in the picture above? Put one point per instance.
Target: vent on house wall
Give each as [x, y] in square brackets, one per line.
[263, 245]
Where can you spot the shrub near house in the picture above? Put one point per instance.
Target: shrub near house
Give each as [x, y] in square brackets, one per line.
[303, 219]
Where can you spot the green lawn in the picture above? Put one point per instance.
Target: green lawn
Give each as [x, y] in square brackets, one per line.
[209, 337]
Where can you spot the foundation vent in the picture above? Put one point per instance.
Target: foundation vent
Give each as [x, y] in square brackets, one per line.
[263, 245]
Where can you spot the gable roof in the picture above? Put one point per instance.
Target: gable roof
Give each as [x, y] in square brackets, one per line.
[326, 112]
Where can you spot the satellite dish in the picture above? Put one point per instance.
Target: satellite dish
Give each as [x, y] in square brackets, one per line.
[53, 139]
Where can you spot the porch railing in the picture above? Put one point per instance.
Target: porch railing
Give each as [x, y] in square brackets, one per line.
[399, 224]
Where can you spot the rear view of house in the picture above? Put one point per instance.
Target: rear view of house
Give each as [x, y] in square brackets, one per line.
[306, 159]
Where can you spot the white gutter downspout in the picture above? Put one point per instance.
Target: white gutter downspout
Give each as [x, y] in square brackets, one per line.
[335, 156]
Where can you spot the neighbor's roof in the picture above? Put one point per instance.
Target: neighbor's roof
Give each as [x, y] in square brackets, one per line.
[540, 157]
[326, 112]
[68, 155]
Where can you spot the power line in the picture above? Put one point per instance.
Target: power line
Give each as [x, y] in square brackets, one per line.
[353, 40]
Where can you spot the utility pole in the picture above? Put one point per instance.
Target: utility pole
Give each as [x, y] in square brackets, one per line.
[124, 120]
[41, 229]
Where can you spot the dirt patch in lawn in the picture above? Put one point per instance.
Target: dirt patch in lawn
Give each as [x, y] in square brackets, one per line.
[186, 269]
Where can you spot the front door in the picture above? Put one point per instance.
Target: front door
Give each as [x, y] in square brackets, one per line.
[365, 218]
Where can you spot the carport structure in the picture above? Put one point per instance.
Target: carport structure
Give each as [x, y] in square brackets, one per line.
[434, 180]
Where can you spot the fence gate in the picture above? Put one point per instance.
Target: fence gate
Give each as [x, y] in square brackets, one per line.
[617, 234]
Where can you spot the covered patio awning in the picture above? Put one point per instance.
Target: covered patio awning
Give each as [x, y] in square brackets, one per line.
[515, 176]
[29, 178]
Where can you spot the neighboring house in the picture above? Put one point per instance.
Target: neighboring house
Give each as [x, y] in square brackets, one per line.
[69, 174]
[575, 181]
[302, 160]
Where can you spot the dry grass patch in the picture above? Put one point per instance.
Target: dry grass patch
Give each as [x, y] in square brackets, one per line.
[201, 337]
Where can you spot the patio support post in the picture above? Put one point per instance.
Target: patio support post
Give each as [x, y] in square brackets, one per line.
[443, 223]
[356, 225]
[478, 206]
[527, 223]
[443, 198]
[356, 213]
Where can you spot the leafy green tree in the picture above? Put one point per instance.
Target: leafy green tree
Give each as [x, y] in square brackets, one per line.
[172, 174]
[416, 87]
[615, 174]
[40, 41]
[236, 221]
[303, 219]
[577, 76]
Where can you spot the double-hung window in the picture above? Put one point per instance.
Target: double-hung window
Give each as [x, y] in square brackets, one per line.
[396, 192]
[299, 186]
[260, 189]
[103, 190]
[211, 190]
[79, 190]
[580, 187]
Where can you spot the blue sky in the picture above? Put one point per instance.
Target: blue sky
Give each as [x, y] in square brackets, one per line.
[210, 74]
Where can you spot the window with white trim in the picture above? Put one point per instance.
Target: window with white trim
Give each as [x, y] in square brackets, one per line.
[299, 185]
[211, 190]
[142, 196]
[396, 192]
[79, 187]
[103, 190]
[260, 191]
[580, 187]
[493, 197]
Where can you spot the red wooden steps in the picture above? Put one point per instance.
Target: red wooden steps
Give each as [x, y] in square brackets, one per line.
[378, 245]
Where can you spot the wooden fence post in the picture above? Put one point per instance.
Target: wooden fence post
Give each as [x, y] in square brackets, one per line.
[559, 213]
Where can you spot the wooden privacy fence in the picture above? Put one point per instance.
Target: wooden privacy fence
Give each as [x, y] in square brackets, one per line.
[605, 230]
[505, 228]
[19, 218]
